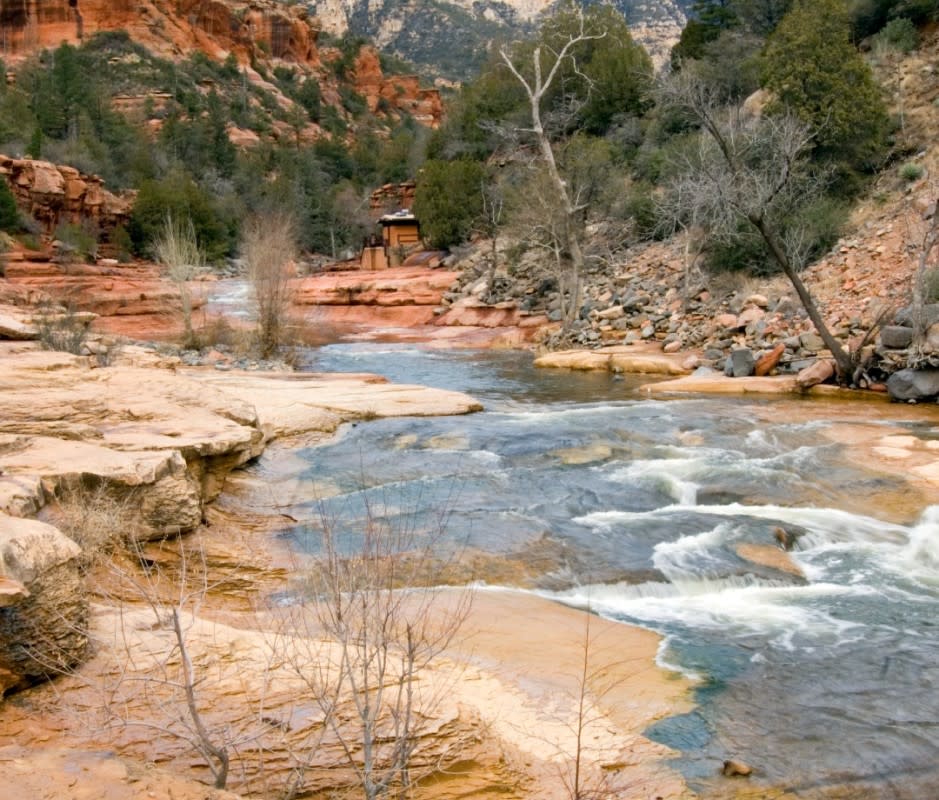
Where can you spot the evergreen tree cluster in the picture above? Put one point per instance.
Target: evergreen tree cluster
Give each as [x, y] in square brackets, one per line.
[615, 145]
[803, 54]
[62, 109]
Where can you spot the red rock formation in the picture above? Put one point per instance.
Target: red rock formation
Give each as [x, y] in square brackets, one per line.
[391, 197]
[402, 92]
[53, 193]
[401, 286]
[168, 27]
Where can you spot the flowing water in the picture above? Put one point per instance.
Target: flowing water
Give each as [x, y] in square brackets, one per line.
[827, 681]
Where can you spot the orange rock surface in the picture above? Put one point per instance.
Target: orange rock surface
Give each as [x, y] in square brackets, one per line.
[403, 92]
[53, 193]
[168, 27]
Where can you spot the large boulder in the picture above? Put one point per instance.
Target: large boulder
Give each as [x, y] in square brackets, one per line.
[904, 316]
[914, 384]
[896, 337]
[44, 608]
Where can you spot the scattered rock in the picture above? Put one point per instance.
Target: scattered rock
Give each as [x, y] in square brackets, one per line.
[811, 342]
[736, 769]
[614, 312]
[904, 316]
[914, 385]
[896, 337]
[741, 362]
[757, 300]
[769, 361]
[819, 372]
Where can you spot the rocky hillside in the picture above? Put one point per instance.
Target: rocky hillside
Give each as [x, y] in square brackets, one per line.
[863, 283]
[449, 38]
[258, 35]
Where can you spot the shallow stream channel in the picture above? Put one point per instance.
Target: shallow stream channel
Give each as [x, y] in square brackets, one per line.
[826, 682]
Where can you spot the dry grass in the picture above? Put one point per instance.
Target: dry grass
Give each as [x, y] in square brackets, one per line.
[97, 520]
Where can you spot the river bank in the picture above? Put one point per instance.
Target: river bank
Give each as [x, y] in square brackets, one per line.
[521, 648]
[68, 424]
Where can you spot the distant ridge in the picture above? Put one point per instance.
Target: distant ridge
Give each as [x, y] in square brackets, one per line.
[449, 38]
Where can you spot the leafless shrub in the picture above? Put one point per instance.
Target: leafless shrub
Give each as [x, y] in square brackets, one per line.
[269, 247]
[96, 520]
[177, 247]
[360, 594]
[64, 329]
[160, 681]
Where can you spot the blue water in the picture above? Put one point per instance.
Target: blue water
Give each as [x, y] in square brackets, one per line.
[818, 682]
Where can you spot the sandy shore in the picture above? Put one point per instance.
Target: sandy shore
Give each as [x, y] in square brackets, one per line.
[527, 660]
[504, 716]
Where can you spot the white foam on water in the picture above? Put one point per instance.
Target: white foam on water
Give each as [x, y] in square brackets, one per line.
[919, 558]
[553, 415]
[693, 554]
[757, 438]
[738, 606]
[824, 525]
[673, 476]
[663, 661]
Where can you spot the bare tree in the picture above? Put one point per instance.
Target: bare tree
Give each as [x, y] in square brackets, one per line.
[545, 67]
[269, 247]
[750, 170]
[158, 683]
[384, 633]
[177, 247]
[490, 222]
[925, 238]
[598, 675]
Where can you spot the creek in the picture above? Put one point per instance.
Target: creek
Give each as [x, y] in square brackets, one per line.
[636, 507]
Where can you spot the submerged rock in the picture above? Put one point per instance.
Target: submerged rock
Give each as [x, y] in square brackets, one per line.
[736, 769]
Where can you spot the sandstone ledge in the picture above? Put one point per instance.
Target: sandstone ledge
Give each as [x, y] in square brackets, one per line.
[166, 438]
[614, 359]
[782, 385]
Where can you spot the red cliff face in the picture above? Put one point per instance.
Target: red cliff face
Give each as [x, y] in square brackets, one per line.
[168, 27]
[401, 92]
[51, 194]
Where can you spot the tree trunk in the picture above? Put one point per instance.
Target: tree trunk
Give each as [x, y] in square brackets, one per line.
[571, 235]
[843, 360]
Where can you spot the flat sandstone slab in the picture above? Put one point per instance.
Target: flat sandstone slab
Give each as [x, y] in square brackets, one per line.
[613, 359]
[721, 384]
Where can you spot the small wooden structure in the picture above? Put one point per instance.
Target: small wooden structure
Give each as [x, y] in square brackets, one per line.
[400, 234]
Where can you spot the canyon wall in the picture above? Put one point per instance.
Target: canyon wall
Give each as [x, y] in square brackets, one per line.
[51, 194]
[167, 27]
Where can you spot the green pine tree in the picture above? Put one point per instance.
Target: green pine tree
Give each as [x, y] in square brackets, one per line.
[34, 148]
[9, 213]
[448, 200]
[816, 73]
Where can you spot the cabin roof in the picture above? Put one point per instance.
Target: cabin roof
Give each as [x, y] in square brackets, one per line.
[401, 217]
